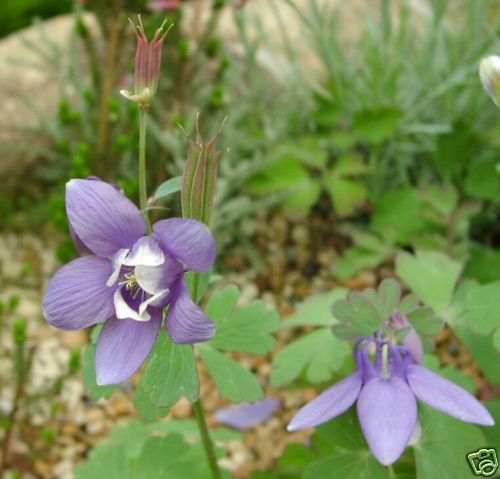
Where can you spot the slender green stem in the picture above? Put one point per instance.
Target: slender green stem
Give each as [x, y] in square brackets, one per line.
[143, 195]
[205, 439]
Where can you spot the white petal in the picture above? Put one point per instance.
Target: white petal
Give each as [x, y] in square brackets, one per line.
[118, 259]
[146, 251]
[124, 311]
[154, 300]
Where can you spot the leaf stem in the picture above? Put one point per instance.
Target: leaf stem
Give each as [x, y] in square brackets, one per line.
[205, 439]
[143, 195]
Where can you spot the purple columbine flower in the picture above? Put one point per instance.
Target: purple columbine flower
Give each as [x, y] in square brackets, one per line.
[386, 392]
[126, 278]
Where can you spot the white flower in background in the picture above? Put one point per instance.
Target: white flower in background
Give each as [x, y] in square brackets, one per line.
[489, 73]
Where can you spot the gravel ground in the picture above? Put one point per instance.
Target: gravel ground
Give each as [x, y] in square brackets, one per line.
[57, 422]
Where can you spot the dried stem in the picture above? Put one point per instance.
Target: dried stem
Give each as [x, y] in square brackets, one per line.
[107, 90]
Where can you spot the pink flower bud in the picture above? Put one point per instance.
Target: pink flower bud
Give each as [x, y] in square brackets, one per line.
[147, 64]
[164, 5]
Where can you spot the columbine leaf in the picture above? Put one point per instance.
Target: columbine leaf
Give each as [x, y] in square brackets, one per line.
[148, 411]
[398, 215]
[170, 373]
[483, 307]
[432, 276]
[368, 252]
[89, 378]
[444, 445]
[246, 329]
[233, 380]
[169, 187]
[315, 311]
[285, 173]
[193, 464]
[389, 293]
[480, 346]
[347, 195]
[107, 461]
[188, 429]
[357, 316]
[319, 354]
[158, 457]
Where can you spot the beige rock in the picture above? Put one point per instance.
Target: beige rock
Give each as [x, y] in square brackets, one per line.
[26, 74]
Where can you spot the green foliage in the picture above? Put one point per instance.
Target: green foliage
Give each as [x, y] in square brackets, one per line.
[19, 14]
[318, 354]
[246, 329]
[398, 215]
[368, 251]
[376, 125]
[483, 264]
[169, 187]
[362, 313]
[479, 345]
[341, 181]
[483, 310]
[443, 447]
[315, 311]
[139, 452]
[431, 276]
[169, 375]
[232, 379]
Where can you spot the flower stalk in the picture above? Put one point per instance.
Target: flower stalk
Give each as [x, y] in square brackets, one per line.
[143, 194]
[206, 440]
[197, 194]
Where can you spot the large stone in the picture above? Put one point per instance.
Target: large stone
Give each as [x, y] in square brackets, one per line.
[30, 85]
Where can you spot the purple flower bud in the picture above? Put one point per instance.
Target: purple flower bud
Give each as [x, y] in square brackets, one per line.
[386, 391]
[411, 340]
[126, 279]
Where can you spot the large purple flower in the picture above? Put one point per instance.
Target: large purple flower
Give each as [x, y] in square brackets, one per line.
[386, 392]
[126, 278]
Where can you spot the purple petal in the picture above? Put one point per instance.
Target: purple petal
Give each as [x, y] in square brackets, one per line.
[190, 241]
[387, 412]
[123, 345]
[329, 404]
[246, 415]
[80, 247]
[77, 295]
[146, 251]
[411, 340]
[186, 322]
[154, 279]
[104, 219]
[446, 396]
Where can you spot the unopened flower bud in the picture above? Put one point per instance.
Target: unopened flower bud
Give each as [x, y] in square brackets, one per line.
[489, 73]
[199, 177]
